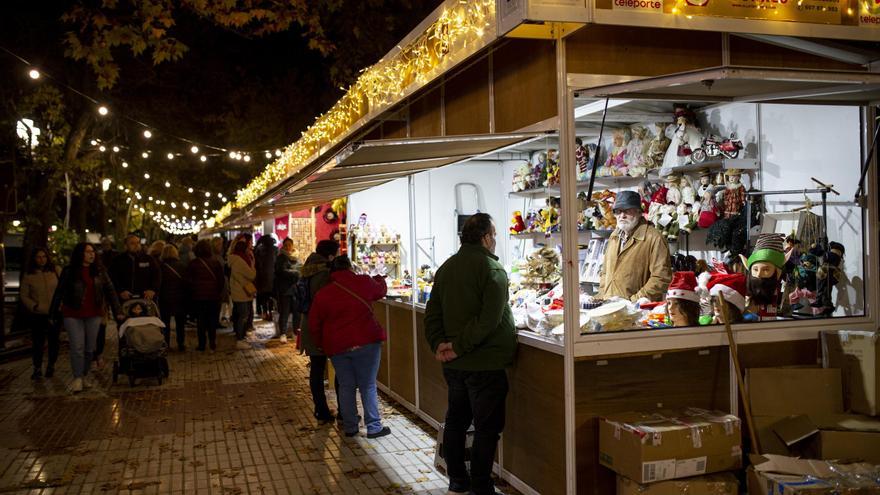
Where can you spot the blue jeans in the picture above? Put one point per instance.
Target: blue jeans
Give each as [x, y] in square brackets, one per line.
[357, 370]
[241, 315]
[83, 336]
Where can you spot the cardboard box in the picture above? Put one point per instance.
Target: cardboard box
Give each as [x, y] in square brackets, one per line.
[787, 391]
[781, 475]
[857, 354]
[670, 445]
[711, 484]
[855, 445]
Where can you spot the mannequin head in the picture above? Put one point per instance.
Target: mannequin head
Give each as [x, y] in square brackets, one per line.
[682, 312]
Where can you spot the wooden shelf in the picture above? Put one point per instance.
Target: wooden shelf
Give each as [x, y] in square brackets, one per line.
[532, 193]
[722, 164]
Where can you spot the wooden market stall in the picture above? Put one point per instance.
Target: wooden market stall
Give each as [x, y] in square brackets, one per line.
[519, 80]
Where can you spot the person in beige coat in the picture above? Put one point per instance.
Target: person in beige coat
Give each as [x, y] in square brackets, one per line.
[242, 289]
[37, 288]
[637, 266]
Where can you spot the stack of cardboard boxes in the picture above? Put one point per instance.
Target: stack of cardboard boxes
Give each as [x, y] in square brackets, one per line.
[816, 428]
[802, 423]
[667, 452]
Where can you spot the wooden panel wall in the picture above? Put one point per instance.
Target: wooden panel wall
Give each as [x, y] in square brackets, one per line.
[380, 310]
[534, 435]
[394, 129]
[433, 391]
[636, 51]
[754, 53]
[467, 100]
[424, 115]
[525, 84]
[402, 359]
[641, 383]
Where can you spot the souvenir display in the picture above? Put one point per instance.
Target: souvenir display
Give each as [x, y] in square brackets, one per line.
[375, 248]
[765, 267]
[684, 138]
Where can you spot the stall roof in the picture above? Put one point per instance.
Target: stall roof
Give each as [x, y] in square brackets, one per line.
[367, 164]
[747, 84]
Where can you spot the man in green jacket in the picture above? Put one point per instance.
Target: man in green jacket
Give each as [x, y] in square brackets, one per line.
[469, 326]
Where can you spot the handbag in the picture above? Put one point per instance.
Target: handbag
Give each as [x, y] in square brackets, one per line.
[250, 289]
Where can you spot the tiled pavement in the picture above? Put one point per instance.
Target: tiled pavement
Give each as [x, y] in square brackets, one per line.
[233, 422]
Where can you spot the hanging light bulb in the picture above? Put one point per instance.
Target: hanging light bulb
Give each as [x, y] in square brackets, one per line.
[102, 148]
[232, 155]
[124, 164]
[207, 203]
[207, 194]
[116, 149]
[268, 154]
[148, 134]
[277, 152]
[170, 156]
[147, 175]
[34, 74]
[190, 190]
[247, 158]
[93, 142]
[145, 154]
[203, 158]
[120, 187]
[103, 111]
[173, 204]
[167, 184]
[194, 149]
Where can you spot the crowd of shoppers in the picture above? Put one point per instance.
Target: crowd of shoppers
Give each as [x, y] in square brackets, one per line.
[324, 302]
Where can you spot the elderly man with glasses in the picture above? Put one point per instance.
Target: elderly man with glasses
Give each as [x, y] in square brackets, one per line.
[637, 264]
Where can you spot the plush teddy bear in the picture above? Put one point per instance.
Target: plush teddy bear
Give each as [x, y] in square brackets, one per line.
[517, 224]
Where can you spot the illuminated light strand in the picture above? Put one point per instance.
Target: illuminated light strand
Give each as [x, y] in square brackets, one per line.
[381, 84]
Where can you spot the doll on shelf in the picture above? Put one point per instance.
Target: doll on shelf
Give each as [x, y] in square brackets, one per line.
[656, 149]
[582, 159]
[684, 137]
[636, 152]
[732, 198]
[617, 163]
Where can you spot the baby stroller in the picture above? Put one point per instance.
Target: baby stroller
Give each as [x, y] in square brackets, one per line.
[142, 347]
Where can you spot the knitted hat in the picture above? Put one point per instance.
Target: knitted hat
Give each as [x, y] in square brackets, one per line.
[731, 285]
[769, 248]
[683, 286]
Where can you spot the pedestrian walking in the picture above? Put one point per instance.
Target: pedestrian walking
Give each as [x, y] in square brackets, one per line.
[173, 293]
[265, 255]
[134, 273]
[206, 286]
[342, 324]
[82, 294]
[315, 275]
[286, 278]
[242, 288]
[37, 288]
[469, 326]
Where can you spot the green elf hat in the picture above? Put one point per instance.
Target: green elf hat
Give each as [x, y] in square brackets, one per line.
[769, 248]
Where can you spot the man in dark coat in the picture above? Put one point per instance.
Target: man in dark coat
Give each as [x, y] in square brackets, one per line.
[134, 272]
[264, 256]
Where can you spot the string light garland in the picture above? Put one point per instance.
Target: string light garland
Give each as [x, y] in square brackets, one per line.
[379, 85]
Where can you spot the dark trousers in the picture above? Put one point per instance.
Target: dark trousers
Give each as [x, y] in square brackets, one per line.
[41, 331]
[242, 318]
[287, 308]
[474, 397]
[180, 325]
[317, 368]
[264, 303]
[102, 339]
[207, 313]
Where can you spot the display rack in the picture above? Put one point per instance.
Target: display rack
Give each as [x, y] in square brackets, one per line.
[380, 248]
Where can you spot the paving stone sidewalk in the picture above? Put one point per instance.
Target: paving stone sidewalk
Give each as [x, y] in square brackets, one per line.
[232, 422]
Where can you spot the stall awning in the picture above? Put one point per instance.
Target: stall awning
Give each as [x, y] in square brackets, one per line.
[753, 85]
[367, 164]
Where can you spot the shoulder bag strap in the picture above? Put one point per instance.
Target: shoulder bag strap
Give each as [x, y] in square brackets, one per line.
[210, 272]
[175, 271]
[359, 298]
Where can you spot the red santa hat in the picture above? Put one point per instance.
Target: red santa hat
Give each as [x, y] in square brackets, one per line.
[683, 286]
[731, 285]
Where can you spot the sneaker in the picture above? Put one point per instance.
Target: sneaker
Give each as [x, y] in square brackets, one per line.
[50, 371]
[284, 339]
[76, 386]
[242, 345]
[37, 374]
[385, 431]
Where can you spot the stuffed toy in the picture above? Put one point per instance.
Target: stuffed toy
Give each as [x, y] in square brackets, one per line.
[684, 137]
[543, 268]
[539, 169]
[552, 169]
[517, 224]
[521, 177]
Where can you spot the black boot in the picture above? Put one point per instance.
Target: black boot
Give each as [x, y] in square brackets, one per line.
[50, 371]
[37, 374]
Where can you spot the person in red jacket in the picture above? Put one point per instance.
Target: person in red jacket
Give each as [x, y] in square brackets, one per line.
[341, 322]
